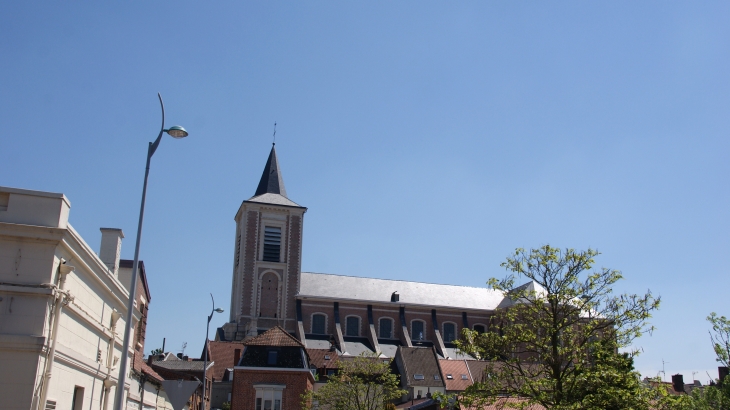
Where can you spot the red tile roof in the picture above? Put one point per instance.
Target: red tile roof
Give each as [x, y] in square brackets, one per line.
[141, 366]
[457, 369]
[276, 336]
[317, 358]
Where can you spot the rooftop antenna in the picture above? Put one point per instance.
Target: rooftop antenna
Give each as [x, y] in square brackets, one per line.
[664, 374]
[274, 133]
[184, 345]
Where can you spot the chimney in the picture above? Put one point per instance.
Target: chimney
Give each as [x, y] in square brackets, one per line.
[395, 297]
[179, 356]
[236, 357]
[678, 383]
[723, 372]
[111, 247]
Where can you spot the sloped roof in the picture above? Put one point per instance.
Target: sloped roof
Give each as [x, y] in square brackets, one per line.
[421, 361]
[182, 365]
[223, 354]
[276, 336]
[322, 285]
[274, 199]
[271, 181]
[455, 368]
[141, 366]
[323, 358]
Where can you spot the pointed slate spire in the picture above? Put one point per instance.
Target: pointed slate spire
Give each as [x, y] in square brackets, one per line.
[271, 180]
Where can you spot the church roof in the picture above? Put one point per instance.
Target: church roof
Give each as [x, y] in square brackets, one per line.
[327, 286]
[271, 188]
[271, 180]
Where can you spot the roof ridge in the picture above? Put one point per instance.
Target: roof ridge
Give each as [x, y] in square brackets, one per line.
[400, 280]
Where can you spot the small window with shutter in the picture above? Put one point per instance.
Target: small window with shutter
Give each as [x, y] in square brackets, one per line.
[272, 243]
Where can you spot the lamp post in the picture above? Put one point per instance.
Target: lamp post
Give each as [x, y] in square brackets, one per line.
[205, 350]
[175, 132]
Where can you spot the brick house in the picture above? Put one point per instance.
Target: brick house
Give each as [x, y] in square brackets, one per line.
[272, 374]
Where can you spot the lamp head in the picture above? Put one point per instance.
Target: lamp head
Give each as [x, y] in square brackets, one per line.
[219, 310]
[177, 131]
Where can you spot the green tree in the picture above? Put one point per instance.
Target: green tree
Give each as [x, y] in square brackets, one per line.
[717, 395]
[362, 383]
[555, 342]
[720, 337]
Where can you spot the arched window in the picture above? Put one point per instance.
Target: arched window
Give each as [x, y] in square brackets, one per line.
[480, 328]
[449, 332]
[352, 326]
[319, 322]
[418, 330]
[386, 328]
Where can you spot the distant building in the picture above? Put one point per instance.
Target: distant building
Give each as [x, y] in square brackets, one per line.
[354, 314]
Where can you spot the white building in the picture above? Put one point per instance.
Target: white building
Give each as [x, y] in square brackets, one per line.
[62, 310]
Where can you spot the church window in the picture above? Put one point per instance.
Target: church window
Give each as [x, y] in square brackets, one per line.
[386, 328]
[479, 328]
[318, 324]
[272, 243]
[418, 330]
[352, 326]
[449, 332]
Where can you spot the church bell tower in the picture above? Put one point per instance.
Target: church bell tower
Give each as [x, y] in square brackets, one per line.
[267, 258]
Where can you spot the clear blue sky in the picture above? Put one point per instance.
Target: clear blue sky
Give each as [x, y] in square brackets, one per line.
[427, 139]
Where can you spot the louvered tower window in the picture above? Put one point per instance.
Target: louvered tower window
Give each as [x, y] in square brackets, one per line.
[272, 243]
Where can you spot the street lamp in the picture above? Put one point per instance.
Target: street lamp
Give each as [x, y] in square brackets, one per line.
[175, 132]
[205, 349]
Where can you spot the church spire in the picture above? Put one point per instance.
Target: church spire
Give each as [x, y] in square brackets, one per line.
[271, 180]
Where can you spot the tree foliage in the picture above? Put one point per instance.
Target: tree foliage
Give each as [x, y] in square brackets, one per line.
[717, 395]
[555, 343]
[720, 337]
[362, 383]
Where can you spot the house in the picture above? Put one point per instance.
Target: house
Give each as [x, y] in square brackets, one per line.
[273, 373]
[62, 310]
[225, 356]
[181, 367]
[420, 373]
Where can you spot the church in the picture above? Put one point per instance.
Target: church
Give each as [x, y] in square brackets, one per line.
[352, 315]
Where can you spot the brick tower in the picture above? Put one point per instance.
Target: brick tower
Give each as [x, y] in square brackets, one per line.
[267, 258]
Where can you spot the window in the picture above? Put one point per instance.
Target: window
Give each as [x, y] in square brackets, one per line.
[386, 328]
[272, 356]
[436, 377]
[463, 377]
[318, 324]
[326, 357]
[352, 326]
[238, 249]
[268, 397]
[479, 328]
[449, 332]
[330, 372]
[78, 399]
[272, 243]
[418, 377]
[418, 330]
[449, 376]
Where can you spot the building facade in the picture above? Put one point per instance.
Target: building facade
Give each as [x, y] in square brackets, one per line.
[62, 310]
